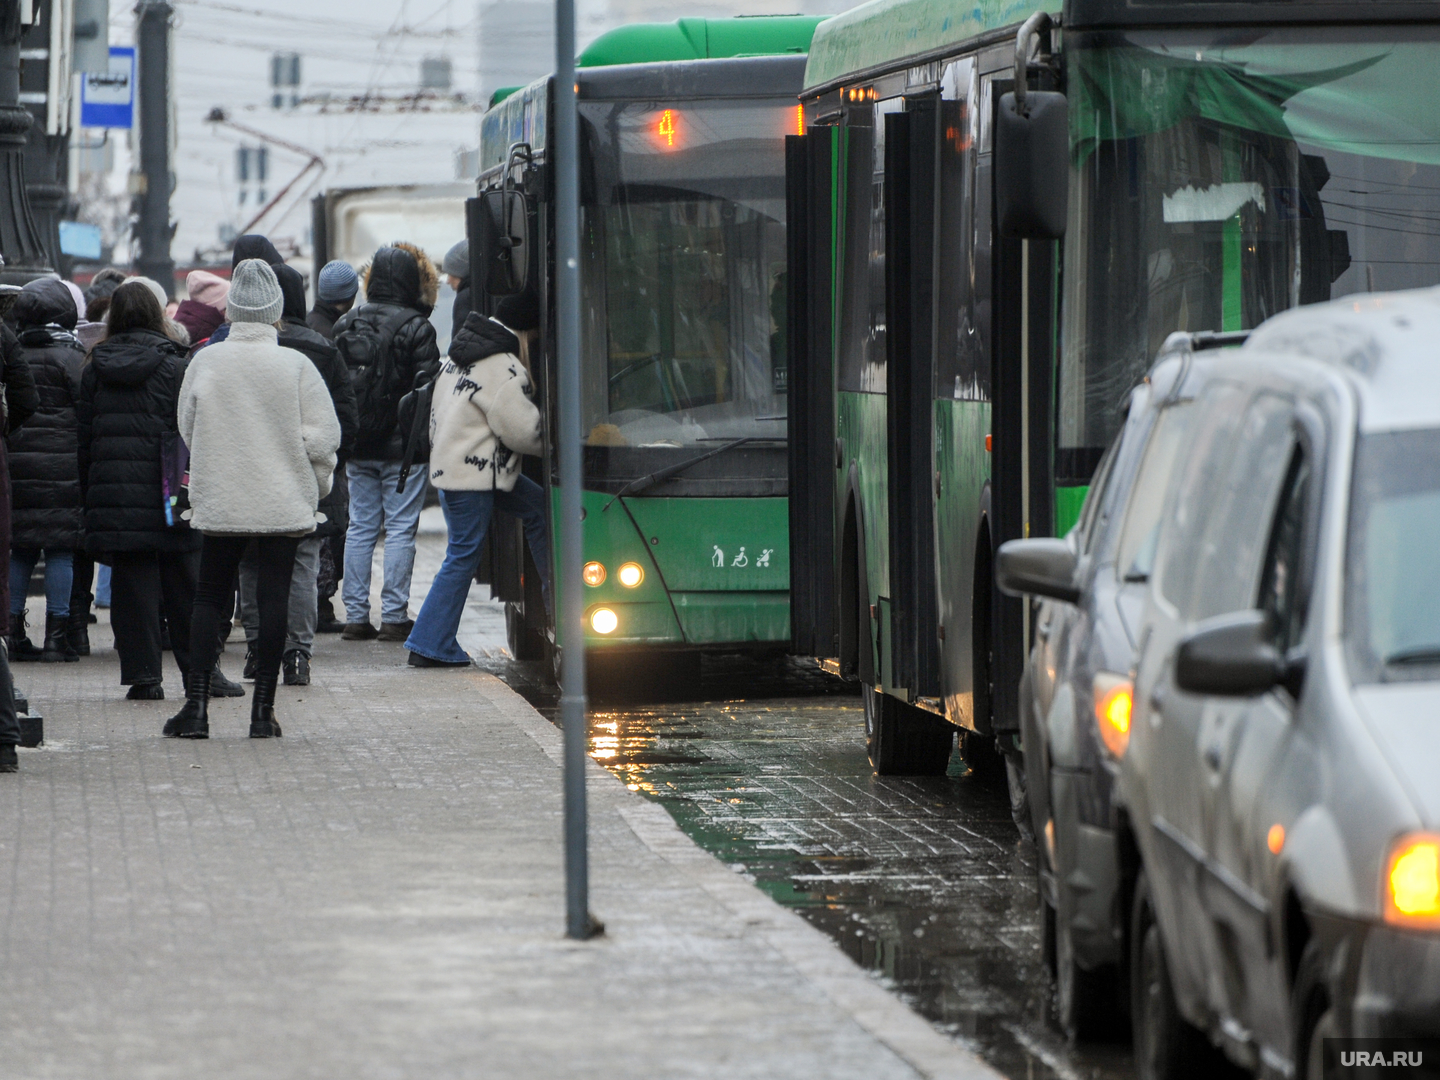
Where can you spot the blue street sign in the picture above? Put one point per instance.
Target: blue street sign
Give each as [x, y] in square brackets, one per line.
[108, 100]
[79, 240]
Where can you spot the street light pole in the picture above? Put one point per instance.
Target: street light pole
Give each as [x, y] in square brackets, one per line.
[579, 923]
[20, 241]
[152, 228]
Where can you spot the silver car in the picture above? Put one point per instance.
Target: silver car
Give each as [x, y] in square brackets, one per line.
[1279, 792]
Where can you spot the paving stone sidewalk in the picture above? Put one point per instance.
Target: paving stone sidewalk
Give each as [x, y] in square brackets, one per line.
[380, 895]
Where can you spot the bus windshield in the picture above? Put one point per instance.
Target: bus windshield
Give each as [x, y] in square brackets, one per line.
[683, 242]
[1218, 178]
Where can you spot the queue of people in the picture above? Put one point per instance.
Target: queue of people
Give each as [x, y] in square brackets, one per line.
[235, 454]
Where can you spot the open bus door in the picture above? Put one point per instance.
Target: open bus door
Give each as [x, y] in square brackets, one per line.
[808, 177]
[911, 145]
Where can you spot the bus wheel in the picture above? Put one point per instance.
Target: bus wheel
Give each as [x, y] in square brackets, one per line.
[902, 740]
[525, 643]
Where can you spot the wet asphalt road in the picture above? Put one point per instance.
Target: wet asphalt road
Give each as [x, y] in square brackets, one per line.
[925, 882]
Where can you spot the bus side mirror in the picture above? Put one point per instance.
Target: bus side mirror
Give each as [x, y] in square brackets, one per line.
[497, 226]
[1032, 165]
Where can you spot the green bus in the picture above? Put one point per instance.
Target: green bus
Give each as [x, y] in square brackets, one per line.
[959, 360]
[682, 133]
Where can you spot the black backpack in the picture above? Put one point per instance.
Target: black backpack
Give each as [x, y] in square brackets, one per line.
[367, 345]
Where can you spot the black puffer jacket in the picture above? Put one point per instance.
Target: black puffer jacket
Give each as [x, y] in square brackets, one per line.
[460, 308]
[323, 318]
[294, 334]
[44, 472]
[128, 398]
[395, 281]
[21, 400]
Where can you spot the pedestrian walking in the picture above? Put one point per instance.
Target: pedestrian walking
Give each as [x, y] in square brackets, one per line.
[386, 343]
[44, 469]
[203, 310]
[262, 434]
[482, 420]
[334, 296]
[304, 599]
[456, 265]
[129, 390]
[17, 404]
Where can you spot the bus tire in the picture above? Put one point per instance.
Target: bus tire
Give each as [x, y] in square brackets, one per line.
[902, 740]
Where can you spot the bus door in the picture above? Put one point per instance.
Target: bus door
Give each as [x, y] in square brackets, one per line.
[810, 398]
[910, 189]
[1025, 288]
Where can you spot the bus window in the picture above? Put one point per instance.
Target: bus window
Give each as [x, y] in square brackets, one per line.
[683, 241]
[862, 334]
[962, 361]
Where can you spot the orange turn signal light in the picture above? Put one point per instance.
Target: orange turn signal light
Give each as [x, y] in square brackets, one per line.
[1412, 881]
[1114, 699]
[594, 574]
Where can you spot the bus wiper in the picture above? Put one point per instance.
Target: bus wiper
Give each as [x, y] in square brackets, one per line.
[1420, 654]
[654, 478]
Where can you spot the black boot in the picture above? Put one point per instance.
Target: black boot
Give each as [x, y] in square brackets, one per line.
[193, 719]
[77, 632]
[21, 647]
[57, 641]
[262, 707]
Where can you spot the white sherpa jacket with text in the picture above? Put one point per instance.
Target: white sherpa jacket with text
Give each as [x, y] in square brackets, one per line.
[482, 417]
[262, 434]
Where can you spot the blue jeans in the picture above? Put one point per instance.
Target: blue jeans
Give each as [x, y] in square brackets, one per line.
[102, 587]
[59, 575]
[374, 504]
[467, 518]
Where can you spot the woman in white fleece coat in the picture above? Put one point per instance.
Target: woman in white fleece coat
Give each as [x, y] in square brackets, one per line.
[482, 419]
[262, 434]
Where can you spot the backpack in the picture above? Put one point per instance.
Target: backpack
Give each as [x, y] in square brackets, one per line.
[367, 345]
[414, 418]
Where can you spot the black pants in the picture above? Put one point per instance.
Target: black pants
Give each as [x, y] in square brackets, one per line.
[81, 596]
[219, 563]
[141, 584]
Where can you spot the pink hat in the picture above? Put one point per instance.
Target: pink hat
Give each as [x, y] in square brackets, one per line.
[208, 289]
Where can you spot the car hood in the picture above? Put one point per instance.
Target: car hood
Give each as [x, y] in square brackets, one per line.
[1405, 718]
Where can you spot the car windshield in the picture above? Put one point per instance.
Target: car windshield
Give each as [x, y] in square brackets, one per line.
[683, 237]
[1219, 178]
[1392, 618]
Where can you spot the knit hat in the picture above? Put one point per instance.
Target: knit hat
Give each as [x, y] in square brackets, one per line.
[207, 288]
[457, 260]
[254, 294]
[338, 281]
[519, 312]
[155, 287]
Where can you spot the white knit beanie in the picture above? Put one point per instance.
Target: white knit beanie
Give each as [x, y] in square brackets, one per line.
[255, 295]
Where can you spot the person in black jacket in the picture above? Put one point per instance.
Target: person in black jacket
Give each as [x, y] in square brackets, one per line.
[21, 401]
[457, 271]
[401, 285]
[44, 471]
[303, 609]
[128, 396]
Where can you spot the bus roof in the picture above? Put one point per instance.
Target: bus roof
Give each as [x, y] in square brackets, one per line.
[701, 39]
[883, 32]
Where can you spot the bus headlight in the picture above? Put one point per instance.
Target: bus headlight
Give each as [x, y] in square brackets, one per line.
[603, 620]
[631, 574]
[1412, 881]
[594, 574]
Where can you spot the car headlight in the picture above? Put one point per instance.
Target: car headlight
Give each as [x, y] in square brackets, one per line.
[1412, 881]
[1114, 701]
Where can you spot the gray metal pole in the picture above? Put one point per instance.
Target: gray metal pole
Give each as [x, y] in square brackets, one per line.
[578, 921]
[153, 229]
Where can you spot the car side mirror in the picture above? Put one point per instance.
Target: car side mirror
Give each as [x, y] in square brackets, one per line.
[1042, 567]
[497, 224]
[1232, 656]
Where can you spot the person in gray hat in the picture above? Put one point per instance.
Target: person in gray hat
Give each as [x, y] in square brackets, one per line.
[334, 296]
[263, 435]
[457, 271]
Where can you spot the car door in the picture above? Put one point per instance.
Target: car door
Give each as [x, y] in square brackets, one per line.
[1243, 764]
[1159, 782]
